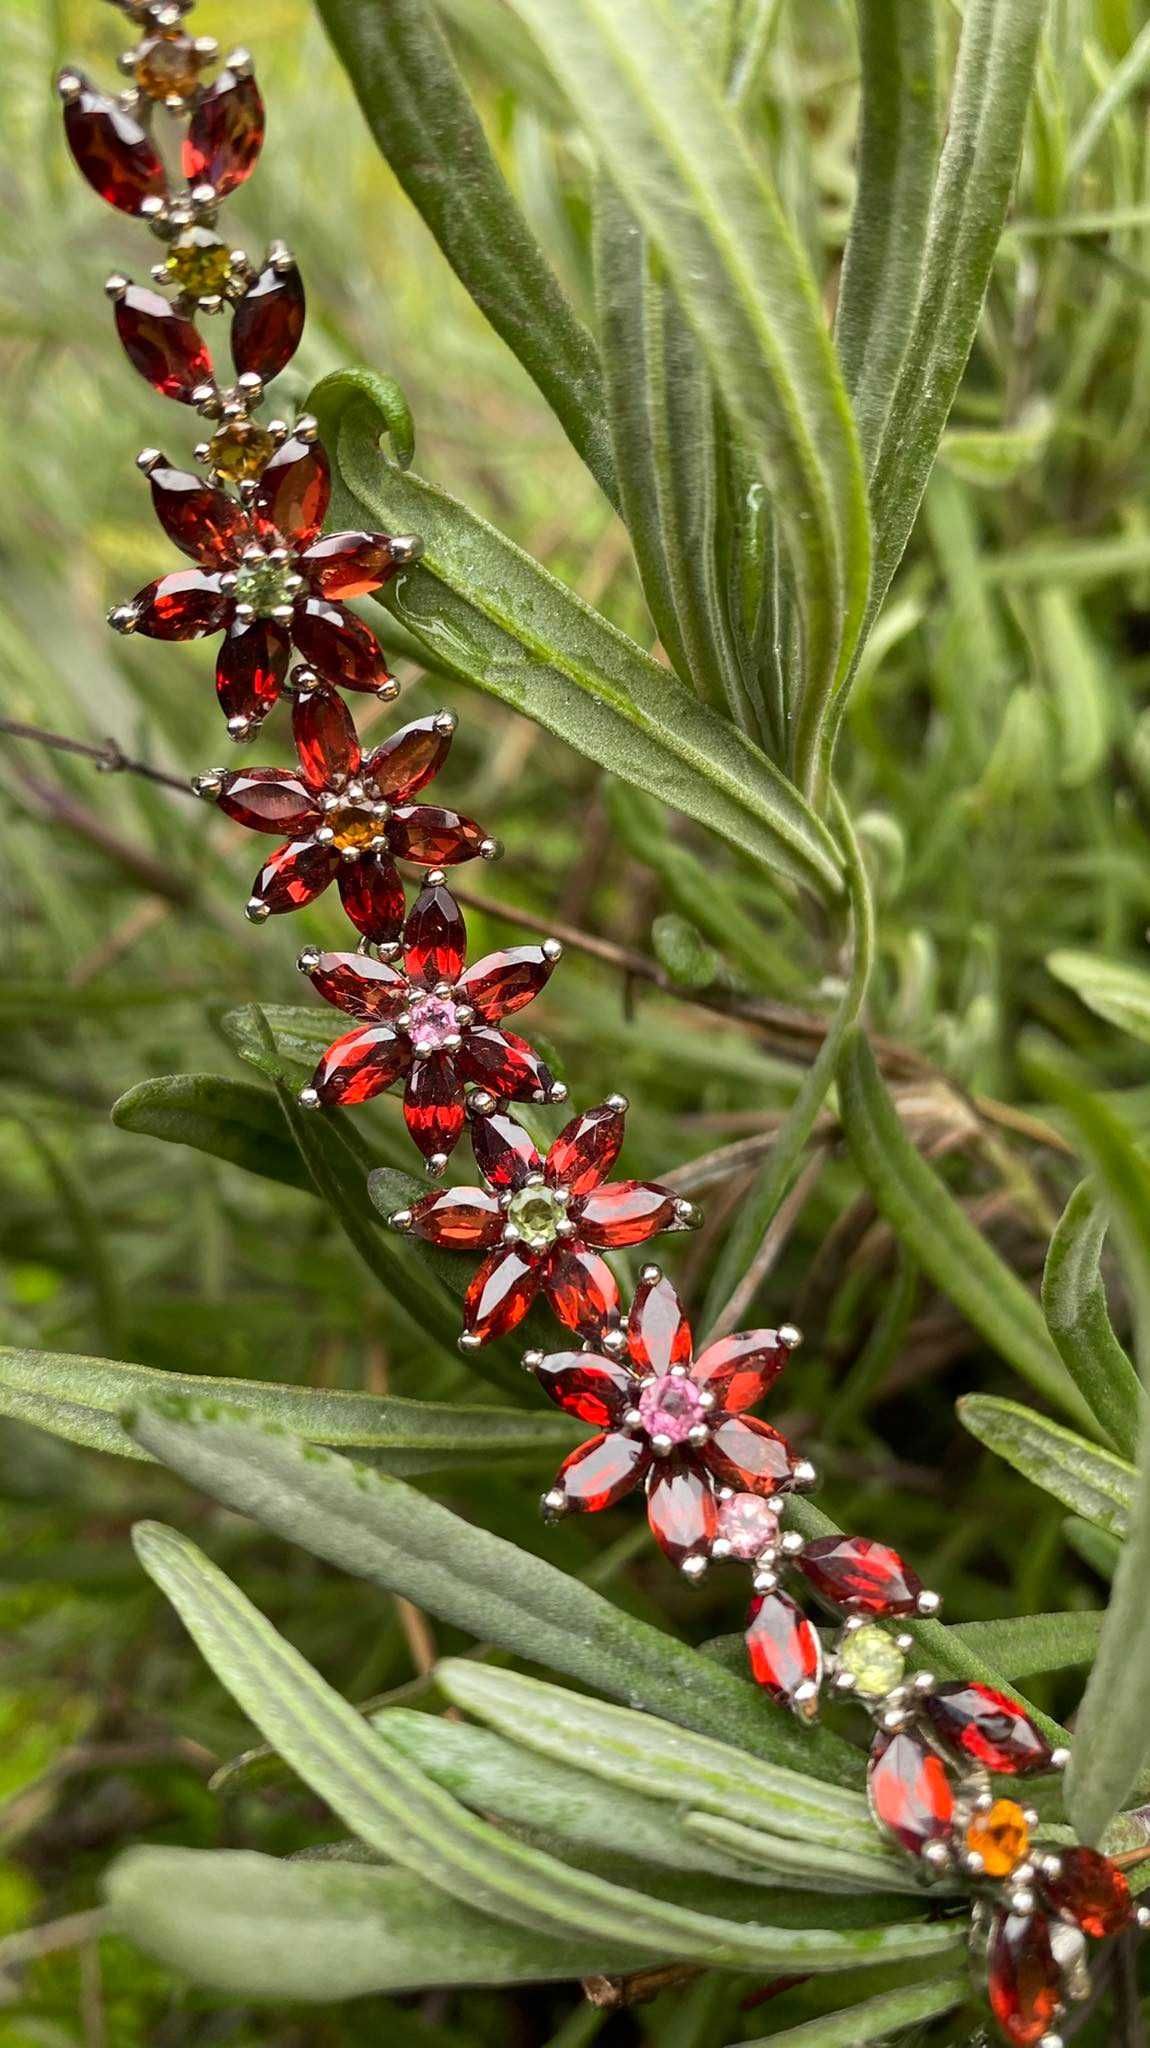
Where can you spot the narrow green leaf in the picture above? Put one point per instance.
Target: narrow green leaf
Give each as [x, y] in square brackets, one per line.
[83, 1219]
[1117, 990]
[1112, 1727]
[322, 1932]
[677, 155]
[879, 2019]
[1087, 1479]
[500, 621]
[382, 1530]
[992, 457]
[423, 120]
[1079, 683]
[82, 1399]
[1028, 1645]
[400, 1814]
[778, 1860]
[1077, 1316]
[232, 1120]
[899, 125]
[941, 1237]
[1125, 79]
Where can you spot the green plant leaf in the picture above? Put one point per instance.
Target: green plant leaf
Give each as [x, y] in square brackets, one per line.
[878, 2019]
[499, 620]
[1028, 1645]
[778, 1860]
[1116, 990]
[1087, 1479]
[424, 122]
[399, 1813]
[82, 1399]
[927, 1219]
[322, 1932]
[1079, 683]
[1077, 1316]
[382, 1530]
[678, 157]
[1112, 1728]
[899, 125]
[232, 1120]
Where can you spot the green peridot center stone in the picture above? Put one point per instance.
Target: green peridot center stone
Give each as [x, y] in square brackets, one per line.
[874, 1661]
[262, 585]
[536, 1214]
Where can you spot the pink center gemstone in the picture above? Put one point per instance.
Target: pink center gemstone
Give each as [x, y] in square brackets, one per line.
[748, 1524]
[671, 1406]
[433, 1021]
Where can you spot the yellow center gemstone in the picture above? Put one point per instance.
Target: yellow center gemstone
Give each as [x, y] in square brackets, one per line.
[1000, 1836]
[873, 1660]
[239, 450]
[199, 262]
[168, 65]
[536, 1214]
[353, 827]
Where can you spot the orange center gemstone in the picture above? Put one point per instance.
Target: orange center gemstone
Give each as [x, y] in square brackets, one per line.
[240, 449]
[1000, 1836]
[353, 827]
[168, 66]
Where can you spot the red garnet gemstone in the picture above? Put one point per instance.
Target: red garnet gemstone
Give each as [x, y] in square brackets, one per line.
[600, 1472]
[204, 523]
[183, 606]
[409, 759]
[504, 1153]
[739, 1370]
[505, 1064]
[597, 1390]
[988, 1728]
[250, 668]
[860, 1576]
[1092, 1891]
[505, 982]
[433, 837]
[433, 1106]
[165, 348]
[581, 1288]
[658, 1333]
[586, 1149]
[682, 1511]
[348, 564]
[500, 1295]
[372, 895]
[458, 1219]
[225, 134]
[358, 984]
[434, 937]
[1023, 1981]
[112, 151]
[626, 1212]
[339, 645]
[293, 493]
[294, 875]
[269, 800]
[909, 1791]
[361, 1065]
[268, 323]
[784, 1650]
[748, 1455]
[325, 739]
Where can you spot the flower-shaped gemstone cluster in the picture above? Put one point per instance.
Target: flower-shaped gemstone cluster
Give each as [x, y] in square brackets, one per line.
[437, 1025]
[676, 1424]
[543, 1222]
[348, 815]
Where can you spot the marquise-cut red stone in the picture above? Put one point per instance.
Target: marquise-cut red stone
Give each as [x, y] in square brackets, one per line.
[294, 874]
[409, 759]
[182, 606]
[294, 492]
[860, 1576]
[586, 1149]
[739, 1370]
[268, 324]
[458, 1219]
[504, 1153]
[360, 1065]
[225, 134]
[204, 523]
[909, 1791]
[325, 738]
[505, 982]
[1092, 1891]
[988, 1728]
[434, 937]
[165, 348]
[597, 1390]
[347, 565]
[748, 1455]
[433, 1106]
[682, 1511]
[372, 895]
[269, 800]
[600, 1472]
[356, 983]
[784, 1650]
[658, 1333]
[500, 1294]
[113, 151]
[504, 1064]
[1023, 1980]
[581, 1288]
[339, 645]
[250, 668]
[626, 1212]
[434, 837]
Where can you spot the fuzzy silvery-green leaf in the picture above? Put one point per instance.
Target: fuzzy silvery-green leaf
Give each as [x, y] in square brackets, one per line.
[1078, 1318]
[1091, 1481]
[877, 2019]
[232, 1120]
[1116, 990]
